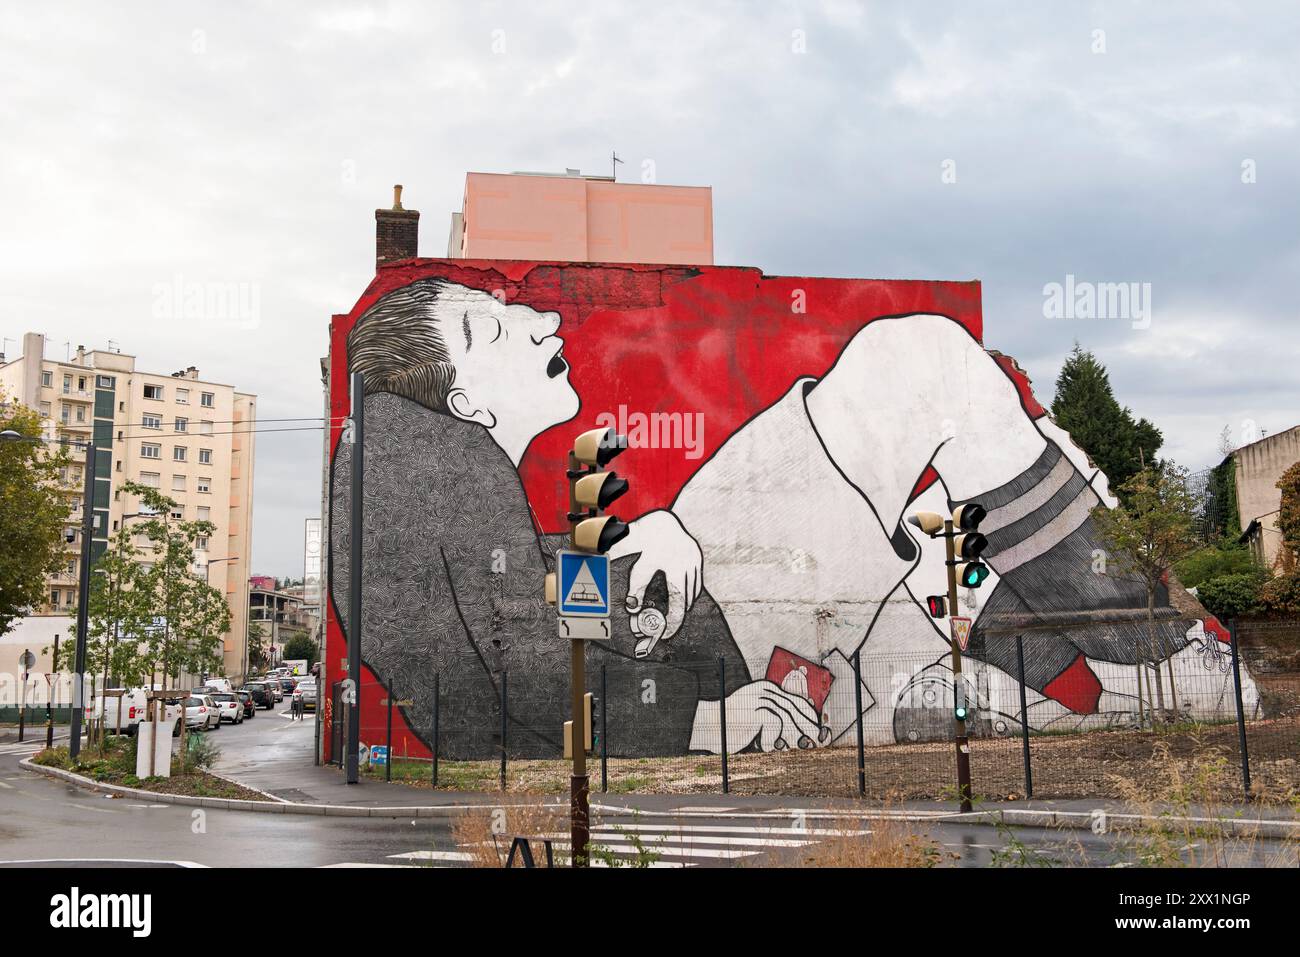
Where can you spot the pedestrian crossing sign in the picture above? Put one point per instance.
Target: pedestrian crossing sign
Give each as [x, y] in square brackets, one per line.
[584, 584]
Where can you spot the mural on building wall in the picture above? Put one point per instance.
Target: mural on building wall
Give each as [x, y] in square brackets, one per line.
[780, 431]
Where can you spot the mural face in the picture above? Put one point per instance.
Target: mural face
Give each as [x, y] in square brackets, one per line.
[786, 429]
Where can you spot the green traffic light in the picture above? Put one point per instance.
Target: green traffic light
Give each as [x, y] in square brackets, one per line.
[973, 574]
[961, 713]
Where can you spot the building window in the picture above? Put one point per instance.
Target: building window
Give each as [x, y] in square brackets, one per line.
[205, 485]
[106, 382]
[178, 483]
[204, 511]
[153, 392]
[178, 453]
[45, 410]
[54, 598]
[67, 384]
[81, 383]
[81, 413]
[205, 427]
[205, 456]
[47, 379]
[207, 400]
[183, 396]
[150, 479]
[178, 513]
[182, 425]
[72, 568]
[201, 543]
[150, 421]
[150, 450]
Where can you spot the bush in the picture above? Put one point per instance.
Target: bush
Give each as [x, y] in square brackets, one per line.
[1216, 561]
[1231, 596]
[1282, 594]
[200, 753]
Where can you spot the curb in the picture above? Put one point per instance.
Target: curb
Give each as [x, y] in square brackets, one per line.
[1021, 817]
[273, 806]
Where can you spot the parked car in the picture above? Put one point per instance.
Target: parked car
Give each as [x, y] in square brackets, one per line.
[250, 706]
[273, 682]
[261, 692]
[219, 684]
[229, 706]
[306, 690]
[287, 685]
[201, 712]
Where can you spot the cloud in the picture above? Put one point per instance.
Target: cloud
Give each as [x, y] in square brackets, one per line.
[251, 143]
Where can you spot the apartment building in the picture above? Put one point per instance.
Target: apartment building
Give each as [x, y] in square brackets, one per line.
[188, 437]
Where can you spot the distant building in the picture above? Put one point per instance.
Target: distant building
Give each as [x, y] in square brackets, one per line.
[1258, 467]
[187, 437]
[575, 218]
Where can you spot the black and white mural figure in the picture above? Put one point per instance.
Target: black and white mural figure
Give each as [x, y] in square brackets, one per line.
[785, 553]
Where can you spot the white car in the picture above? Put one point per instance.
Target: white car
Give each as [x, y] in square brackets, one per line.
[201, 712]
[229, 707]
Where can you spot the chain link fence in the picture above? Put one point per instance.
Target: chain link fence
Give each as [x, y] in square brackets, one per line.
[878, 726]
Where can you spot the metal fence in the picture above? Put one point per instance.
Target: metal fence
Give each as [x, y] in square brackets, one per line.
[882, 726]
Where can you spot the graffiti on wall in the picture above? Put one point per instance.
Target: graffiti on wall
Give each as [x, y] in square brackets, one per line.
[780, 431]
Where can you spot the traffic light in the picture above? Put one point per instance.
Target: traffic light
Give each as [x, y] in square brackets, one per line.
[969, 545]
[931, 523]
[592, 490]
[959, 699]
[938, 606]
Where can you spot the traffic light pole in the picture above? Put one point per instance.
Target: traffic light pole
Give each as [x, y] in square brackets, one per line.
[963, 743]
[579, 805]
[351, 758]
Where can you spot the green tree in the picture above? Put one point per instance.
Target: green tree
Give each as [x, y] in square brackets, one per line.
[1216, 561]
[120, 614]
[193, 614]
[33, 513]
[1146, 535]
[1084, 405]
[301, 647]
[259, 649]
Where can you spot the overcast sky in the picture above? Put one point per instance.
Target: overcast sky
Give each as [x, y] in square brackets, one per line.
[249, 143]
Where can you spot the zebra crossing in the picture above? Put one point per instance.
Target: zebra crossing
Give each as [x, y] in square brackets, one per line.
[653, 842]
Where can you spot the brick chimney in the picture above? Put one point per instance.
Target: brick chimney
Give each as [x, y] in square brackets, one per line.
[397, 232]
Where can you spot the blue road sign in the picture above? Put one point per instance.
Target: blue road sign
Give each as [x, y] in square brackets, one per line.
[584, 585]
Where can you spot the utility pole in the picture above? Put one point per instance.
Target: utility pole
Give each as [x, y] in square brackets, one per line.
[353, 699]
[83, 606]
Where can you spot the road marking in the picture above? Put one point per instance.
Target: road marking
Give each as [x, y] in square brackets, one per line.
[350, 864]
[434, 856]
[7, 787]
[83, 807]
[725, 829]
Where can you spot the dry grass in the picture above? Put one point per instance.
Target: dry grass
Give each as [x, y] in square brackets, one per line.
[488, 833]
[1174, 790]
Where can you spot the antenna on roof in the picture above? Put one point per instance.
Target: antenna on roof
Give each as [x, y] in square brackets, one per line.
[613, 173]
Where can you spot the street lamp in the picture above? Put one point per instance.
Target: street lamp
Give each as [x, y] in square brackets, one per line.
[83, 588]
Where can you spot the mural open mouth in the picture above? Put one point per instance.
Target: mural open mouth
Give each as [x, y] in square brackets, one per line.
[556, 366]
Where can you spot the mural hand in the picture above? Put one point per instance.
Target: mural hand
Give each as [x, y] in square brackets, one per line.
[663, 546]
[778, 719]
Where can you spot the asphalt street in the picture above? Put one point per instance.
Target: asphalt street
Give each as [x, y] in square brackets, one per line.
[45, 820]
